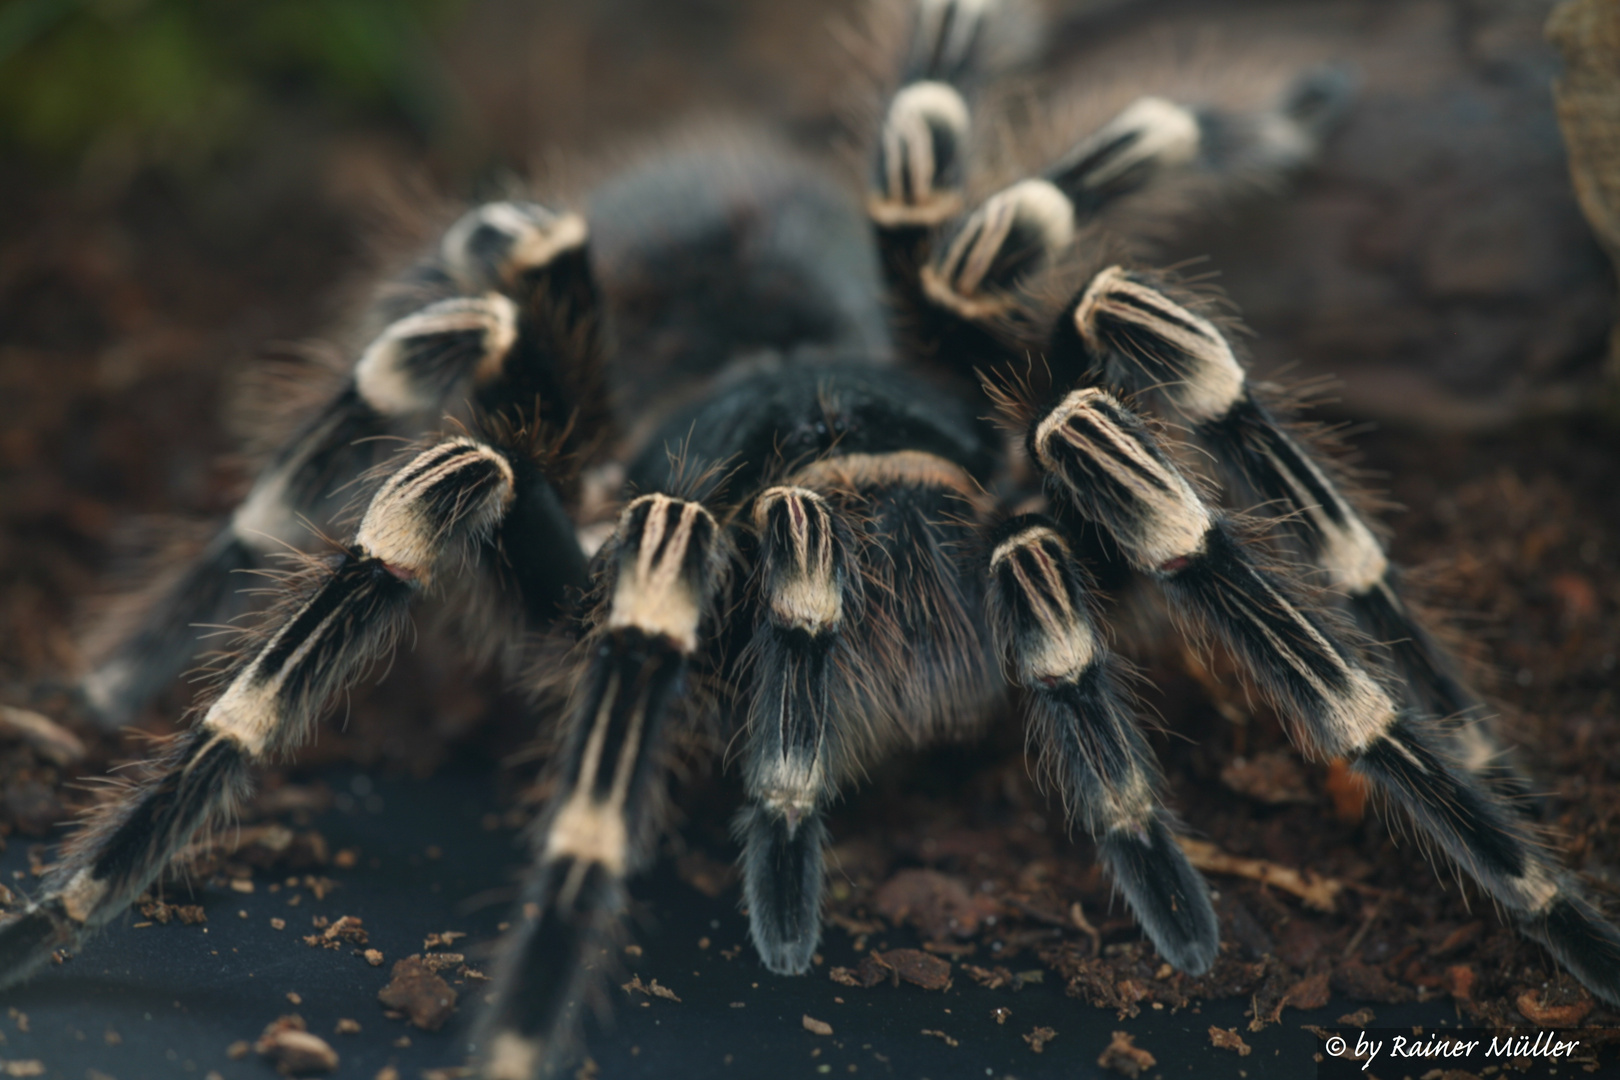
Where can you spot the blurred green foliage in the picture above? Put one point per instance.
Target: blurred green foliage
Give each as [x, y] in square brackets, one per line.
[178, 81]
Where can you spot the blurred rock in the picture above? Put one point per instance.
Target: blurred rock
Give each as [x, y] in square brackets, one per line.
[1587, 33]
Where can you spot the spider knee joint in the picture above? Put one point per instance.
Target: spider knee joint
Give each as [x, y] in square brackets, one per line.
[920, 159]
[805, 560]
[790, 787]
[458, 489]
[499, 243]
[418, 360]
[591, 831]
[1148, 341]
[1117, 474]
[1126, 809]
[1150, 135]
[82, 895]
[1039, 601]
[1014, 233]
[668, 558]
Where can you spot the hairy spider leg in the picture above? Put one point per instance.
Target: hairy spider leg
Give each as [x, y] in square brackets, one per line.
[659, 577]
[1023, 228]
[1103, 460]
[807, 682]
[1133, 334]
[1039, 609]
[506, 302]
[960, 287]
[333, 620]
[861, 628]
[910, 664]
[919, 166]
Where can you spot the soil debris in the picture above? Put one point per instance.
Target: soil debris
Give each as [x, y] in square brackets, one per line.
[939, 905]
[347, 930]
[913, 965]
[294, 1051]
[989, 978]
[1122, 1055]
[444, 961]
[1458, 939]
[816, 1027]
[1038, 1038]
[652, 989]
[186, 914]
[1229, 1039]
[1544, 1013]
[416, 990]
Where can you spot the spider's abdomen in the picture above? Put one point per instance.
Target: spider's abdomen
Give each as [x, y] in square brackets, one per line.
[730, 251]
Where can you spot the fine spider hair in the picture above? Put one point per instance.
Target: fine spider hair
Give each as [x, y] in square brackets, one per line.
[817, 543]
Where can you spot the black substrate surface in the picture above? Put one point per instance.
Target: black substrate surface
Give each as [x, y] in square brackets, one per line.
[170, 1000]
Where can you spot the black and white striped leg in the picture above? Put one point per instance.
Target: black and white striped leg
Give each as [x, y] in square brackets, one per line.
[1154, 138]
[334, 621]
[919, 664]
[519, 249]
[1102, 459]
[541, 259]
[661, 574]
[509, 289]
[1085, 732]
[166, 639]
[1483, 833]
[921, 159]
[1013, 235]
[809, 592]
[919, 165]
[328, 451]
[1132, 333]
[867, 634]
[1107, 464]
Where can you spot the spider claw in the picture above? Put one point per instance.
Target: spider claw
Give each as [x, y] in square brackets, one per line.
[1582, 941]
[29, 937]
[782, 886]
[1169, 898]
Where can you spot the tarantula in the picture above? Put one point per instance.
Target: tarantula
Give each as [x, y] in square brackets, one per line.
[820, 544]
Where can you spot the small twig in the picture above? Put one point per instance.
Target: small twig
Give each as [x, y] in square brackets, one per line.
[1373, 912]
[53, 741]
[1078, 917]
[1036, 913]
[1314, 890]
